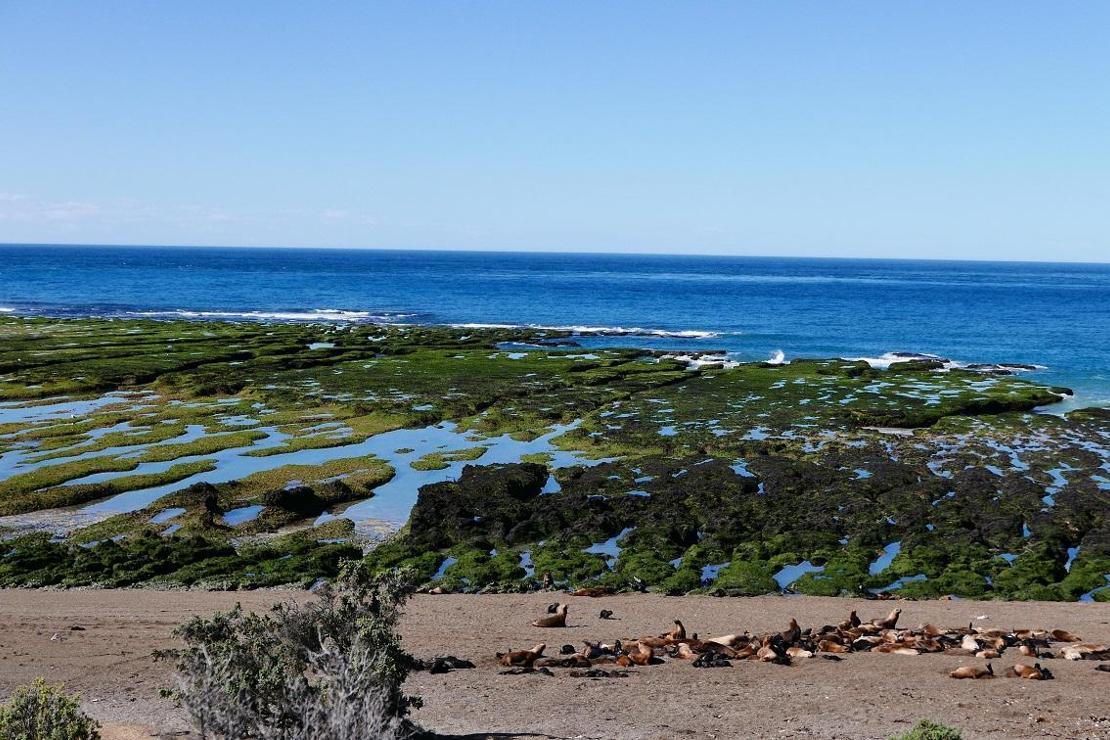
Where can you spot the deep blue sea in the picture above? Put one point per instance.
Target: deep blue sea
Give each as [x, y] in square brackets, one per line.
[1055, 315]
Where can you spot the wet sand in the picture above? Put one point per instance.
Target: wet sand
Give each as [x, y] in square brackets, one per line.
[862, 696]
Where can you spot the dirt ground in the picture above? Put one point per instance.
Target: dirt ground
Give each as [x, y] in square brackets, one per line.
[862, 696]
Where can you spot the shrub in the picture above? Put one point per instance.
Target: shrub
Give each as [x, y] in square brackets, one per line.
[929, 730]
[44, 712]
[332, 668]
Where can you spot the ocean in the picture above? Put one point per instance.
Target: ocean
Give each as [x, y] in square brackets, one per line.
[1056, 316]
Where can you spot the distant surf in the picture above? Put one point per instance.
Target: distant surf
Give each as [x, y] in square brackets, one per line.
[311, 315]
[608, 331]
[1050, 320]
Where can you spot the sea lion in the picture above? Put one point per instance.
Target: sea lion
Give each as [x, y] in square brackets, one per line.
[521, 658]
[973, 671]
[895, 649]
[678, 633]
[1031, 672]
[1086, 651]
[558, 619]
[828, 646]
[988, 654]
[851, 622]
[643, 656]
[595, 650]
[593, 591]
[771, 653]
[792, 633]
[889, 622]
[1063, 636]
[970, 643]
[711, 659]
[605, 614]
[683, 651]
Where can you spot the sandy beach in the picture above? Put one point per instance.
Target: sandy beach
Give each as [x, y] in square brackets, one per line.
[861, 696]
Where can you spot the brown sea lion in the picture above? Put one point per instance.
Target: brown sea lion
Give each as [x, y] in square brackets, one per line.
[828, 646]
[973, 671]
[521, 657]
[851, 622]
[895, 649]
[558, 619]
[889, 622]
[594, 591]
[643, 656]
[1031, 672]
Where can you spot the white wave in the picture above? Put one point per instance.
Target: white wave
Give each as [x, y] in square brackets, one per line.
[887, 359]
[5, 309]
[599, 330]
[318, 314]
[693, 361]
[778, 357]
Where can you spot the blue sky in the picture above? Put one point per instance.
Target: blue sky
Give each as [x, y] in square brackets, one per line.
[941, 129]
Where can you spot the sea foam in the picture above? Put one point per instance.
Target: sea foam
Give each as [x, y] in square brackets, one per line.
[316, 314]
[612, 331]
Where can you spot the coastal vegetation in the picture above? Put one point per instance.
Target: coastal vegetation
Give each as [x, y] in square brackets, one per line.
[43, 711]
[238, 455]
[333, 668]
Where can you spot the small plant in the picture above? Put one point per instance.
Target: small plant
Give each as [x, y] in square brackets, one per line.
[333, 668]
[929, 730]
[44, 712]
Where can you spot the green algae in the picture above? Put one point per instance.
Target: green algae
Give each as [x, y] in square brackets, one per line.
[970, 475]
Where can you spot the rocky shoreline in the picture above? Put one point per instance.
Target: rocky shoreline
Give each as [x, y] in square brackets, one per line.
[244, 455]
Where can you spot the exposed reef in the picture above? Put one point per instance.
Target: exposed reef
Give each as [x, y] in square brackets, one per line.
[248, 454]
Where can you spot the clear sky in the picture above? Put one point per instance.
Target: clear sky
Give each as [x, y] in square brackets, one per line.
[886, 129]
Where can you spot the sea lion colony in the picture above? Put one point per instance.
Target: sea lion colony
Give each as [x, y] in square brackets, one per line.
[853, 635]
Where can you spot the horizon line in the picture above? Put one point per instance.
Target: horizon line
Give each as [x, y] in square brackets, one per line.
[495, 250]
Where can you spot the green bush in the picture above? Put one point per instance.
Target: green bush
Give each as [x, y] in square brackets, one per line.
[929, 730]
[44, 712]
[332, 668]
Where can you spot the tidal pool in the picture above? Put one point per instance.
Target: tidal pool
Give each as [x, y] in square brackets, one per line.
[243, 514]
[883, 562]
[609, 548]
[164, 516]
[391, 502]
[791, 573]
